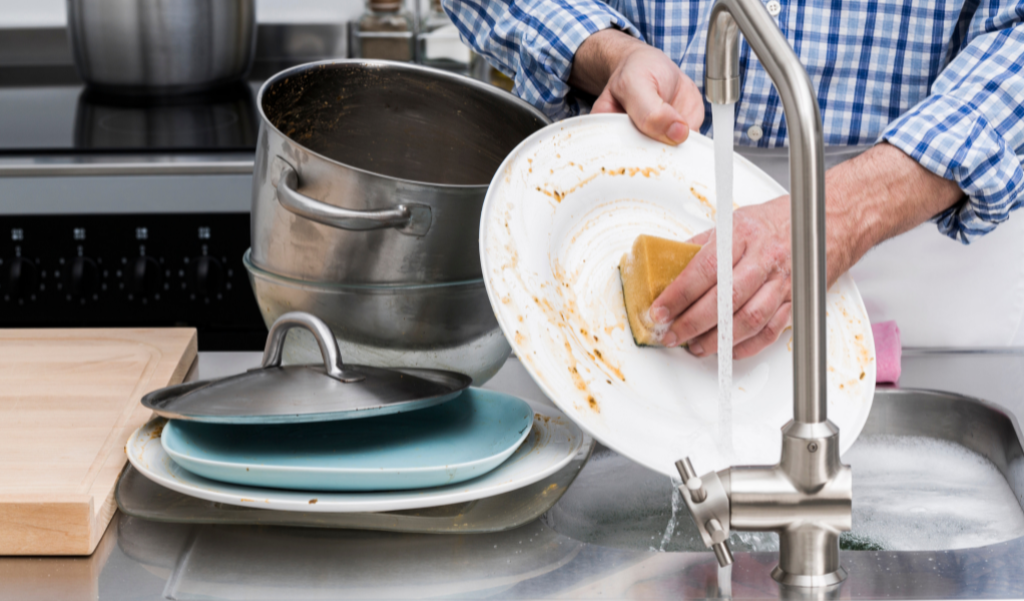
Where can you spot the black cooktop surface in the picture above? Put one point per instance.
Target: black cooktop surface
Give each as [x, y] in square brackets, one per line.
[50, 111]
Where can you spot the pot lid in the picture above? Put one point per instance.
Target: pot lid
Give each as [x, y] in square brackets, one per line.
[306, 393]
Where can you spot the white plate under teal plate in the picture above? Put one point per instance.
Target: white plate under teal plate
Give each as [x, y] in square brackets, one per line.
[558, 216]
[552, 443]
[445, 444]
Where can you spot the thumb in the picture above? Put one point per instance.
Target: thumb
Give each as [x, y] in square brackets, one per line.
[650, 113]
[606, 103]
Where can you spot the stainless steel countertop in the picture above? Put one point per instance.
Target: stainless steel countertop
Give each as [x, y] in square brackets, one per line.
[146, 560]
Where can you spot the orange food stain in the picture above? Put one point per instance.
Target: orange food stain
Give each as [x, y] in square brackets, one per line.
[703, 199]
[157, 431]
[559, 195]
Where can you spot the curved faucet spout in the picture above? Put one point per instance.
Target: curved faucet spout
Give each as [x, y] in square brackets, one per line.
[729, 18]
[807, 496]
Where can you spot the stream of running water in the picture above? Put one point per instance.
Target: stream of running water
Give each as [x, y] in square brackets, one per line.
[722, 117]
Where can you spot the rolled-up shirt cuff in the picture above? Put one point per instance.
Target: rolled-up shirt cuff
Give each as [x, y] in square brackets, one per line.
[555, 32]
[953, 140]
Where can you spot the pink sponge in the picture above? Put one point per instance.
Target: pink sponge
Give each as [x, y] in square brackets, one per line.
[887, 351]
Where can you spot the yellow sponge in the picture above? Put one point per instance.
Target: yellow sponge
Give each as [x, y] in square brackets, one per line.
[646, 271]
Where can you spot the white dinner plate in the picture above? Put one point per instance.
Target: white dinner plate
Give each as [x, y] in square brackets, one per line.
[561, 211]
[552, 443]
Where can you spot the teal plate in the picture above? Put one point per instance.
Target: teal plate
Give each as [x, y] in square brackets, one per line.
[445, 444]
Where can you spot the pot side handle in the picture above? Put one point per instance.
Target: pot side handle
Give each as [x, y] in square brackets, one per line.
[410, 218]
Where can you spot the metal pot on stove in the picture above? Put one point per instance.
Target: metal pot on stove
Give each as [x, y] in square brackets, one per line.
[374, 172]
[153, 47]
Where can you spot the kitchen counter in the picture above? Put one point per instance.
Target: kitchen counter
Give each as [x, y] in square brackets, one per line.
[146, 560]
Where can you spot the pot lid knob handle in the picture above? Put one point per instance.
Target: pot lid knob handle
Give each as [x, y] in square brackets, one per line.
[324, 338]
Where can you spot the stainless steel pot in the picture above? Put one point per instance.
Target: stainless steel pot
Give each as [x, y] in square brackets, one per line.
[373, 172]
[151, 46]
[441, 326]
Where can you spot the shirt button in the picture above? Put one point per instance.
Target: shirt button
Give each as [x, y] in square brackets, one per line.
[755, 132]
[774, 8]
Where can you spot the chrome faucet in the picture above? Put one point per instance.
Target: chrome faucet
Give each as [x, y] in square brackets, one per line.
[807, 497]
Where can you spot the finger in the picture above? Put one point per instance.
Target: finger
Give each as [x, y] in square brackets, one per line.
[702, 238]
[749, 276]
[689, 286]
[767, 336]
[694, 281]
[705, 344]
[690, 103]
[606, 103]
[651, 114]
[700, 317]
[748, 279]
[754, 315]
[693, 113]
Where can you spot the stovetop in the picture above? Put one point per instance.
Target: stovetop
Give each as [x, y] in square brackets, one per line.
[128, 211]
[122, 211]
[48, 111]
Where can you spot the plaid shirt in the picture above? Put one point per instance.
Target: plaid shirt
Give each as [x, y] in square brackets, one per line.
[939, 79]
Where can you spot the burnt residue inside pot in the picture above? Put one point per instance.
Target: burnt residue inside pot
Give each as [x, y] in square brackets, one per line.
[405, 123]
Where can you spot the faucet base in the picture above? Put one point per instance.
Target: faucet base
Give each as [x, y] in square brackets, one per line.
[822, 580]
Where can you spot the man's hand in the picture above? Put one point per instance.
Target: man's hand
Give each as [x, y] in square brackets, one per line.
[869, 199]
[873, 197]
[762, 287]
[628, 76]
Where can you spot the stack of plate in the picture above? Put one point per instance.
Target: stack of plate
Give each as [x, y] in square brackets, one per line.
[345, 438]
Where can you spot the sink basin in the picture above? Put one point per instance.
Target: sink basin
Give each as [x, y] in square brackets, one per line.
[931, 471]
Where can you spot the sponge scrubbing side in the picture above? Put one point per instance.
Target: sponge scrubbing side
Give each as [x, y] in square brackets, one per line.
[646, 271]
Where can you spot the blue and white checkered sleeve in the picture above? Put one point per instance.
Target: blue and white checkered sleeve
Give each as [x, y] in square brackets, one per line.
[534, 42]
[971, 128]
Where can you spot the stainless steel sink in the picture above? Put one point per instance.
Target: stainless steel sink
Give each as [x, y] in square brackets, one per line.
[150, 560]
[932, 471]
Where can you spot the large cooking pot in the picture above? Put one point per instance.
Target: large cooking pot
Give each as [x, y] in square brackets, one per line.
[374, 172]
[152, 46]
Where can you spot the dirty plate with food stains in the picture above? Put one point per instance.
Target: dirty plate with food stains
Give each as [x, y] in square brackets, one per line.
[445, 444]
[552, 443]
[560, 213]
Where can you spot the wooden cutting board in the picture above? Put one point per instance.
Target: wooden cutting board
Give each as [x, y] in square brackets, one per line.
[69, 399]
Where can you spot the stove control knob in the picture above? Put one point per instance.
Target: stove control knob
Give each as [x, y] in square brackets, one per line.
[209, 276]
[21, 277]
[84, 276]
[146, 276]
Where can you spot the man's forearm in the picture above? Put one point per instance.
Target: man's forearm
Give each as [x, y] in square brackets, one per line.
[875, 196]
